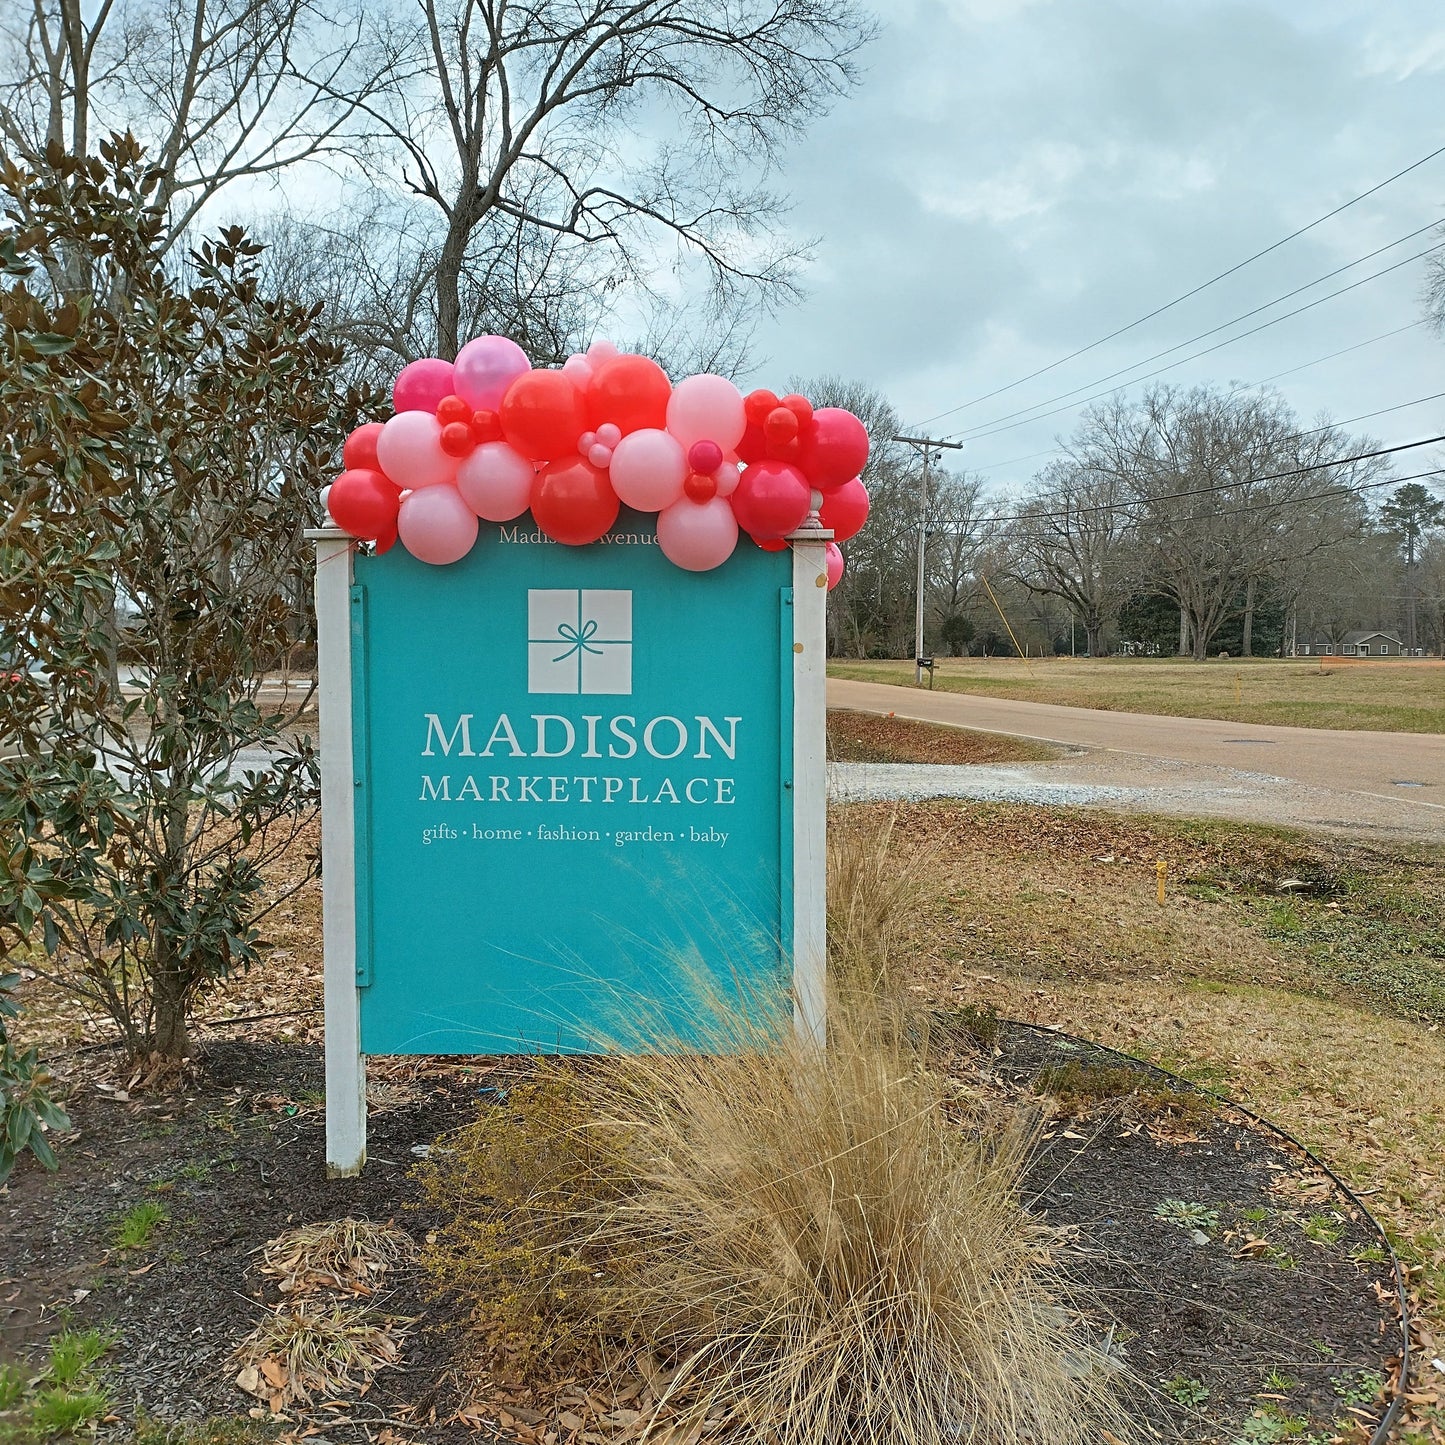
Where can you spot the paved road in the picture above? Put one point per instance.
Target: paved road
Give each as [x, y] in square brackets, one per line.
[1361, 783]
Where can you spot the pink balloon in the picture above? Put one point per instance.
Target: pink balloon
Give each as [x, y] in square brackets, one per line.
[833, 560]
[727, 477]
[706, 408]
[705, 457]
[437, 526]
[599, 455]
[697, 536]
[420, 385]
[410, 451]
[771, 500]
[496, 482]
[485, 369]
[648, 470]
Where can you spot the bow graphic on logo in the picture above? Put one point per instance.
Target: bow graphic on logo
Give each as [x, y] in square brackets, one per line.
[581, 639]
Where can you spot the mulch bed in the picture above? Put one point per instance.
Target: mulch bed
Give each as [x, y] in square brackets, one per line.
[1285, 1309]
[862, 737]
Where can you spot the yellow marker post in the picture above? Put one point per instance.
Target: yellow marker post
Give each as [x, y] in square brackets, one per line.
[1162, 869]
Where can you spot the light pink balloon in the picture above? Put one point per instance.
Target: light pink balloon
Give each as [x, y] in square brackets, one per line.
[727, 477]
[599, 455]
[486, 367]
[410, 451]
[420, 385]
[648, 470]
[437, 526]
[697, 536]
[496, 482]
[706, 408]
[833, 559]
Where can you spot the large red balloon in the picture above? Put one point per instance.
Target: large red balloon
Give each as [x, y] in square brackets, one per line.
[359, 449]
[543, 414]
[845, 510]
[631, 392]
[364, 503]
[771, 500]
[835, 448]
[572, 501]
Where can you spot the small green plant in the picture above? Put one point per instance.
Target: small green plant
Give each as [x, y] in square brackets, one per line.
[1370, 1254]
[1187, 1391]
[65, 1396]
[59, 1411]
[1362, 1387]
[137, 1226]
[1185, 1215]
[1323, 1228]
[12, 1385]
[27, 1109]
[1269, 1424]
[1256, 1214]
[73, 1352]
[1279, 1382]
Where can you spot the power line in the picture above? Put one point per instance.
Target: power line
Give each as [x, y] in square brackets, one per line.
[1242, 386]
[1203, 286]
[1219, 486]
[1183, 360]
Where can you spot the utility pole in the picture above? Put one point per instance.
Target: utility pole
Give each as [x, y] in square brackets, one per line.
[928, 446]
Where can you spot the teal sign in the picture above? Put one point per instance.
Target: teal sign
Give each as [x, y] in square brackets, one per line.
[573, 790]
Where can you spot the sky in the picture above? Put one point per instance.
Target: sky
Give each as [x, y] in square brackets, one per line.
[1015, 179]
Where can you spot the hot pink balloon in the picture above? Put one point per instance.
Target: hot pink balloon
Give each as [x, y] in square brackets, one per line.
[834, 448]
[420, 385]
[833, 560]
[410, 451]
[845, 510]
[648, 470]
[437, 526]
[771, 500]
[496, 482]
[706, 408]
[485, 369]
[697, 536]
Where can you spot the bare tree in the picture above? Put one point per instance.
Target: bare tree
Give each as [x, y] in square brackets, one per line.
[1073, 540]
[641, 131]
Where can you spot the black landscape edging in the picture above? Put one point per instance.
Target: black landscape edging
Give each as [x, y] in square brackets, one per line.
[1387, 1421]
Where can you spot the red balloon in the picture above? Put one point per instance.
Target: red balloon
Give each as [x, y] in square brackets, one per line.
[800, 406]
[457, 439]
[486, 426]
[754, 445]
[835, 448]
[845, 510]
[757, 405]
[364, 503]
[385, 543]
[771, 544]
[543, 414]
[699, 486]
[572, 501]
[771, 500]
[780, 426]
[453, 409]
[631, 392]
[359, 450]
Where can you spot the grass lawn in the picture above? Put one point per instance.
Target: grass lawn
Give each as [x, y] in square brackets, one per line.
[865, 737]
[1379, 696]
[1322, 1004]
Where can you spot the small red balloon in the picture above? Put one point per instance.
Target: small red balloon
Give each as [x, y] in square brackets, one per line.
[781, 426]
[699, 486]
[486, 426]
[754, 445]
[770, 544]
[757, 405]
[453, 409]
[364, 502]
[800, 406]
[845, 510]
[771, 500]
[543, 414]
[359, 450]
[457, 439]
[573, 502]
[629, 391]
[835, 448]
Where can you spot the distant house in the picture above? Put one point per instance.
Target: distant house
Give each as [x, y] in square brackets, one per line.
[1355, 644]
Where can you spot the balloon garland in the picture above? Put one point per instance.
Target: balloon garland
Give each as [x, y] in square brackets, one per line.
[488, 437]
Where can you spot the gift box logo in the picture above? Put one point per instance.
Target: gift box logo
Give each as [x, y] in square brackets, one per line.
[579, 640]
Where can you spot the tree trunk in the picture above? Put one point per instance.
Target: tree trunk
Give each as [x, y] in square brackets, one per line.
[448, 282]
[1094, 632]
[1183, 632]
[1247, 650]
[1200, 651]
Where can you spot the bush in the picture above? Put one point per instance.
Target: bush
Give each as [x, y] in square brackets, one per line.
[26, 1107]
